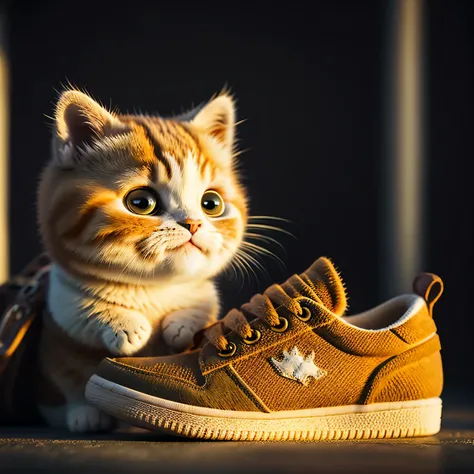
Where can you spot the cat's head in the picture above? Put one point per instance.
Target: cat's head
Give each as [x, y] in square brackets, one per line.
[138, 198]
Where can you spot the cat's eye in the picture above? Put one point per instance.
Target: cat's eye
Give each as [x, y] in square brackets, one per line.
[143, 201]
[212, 204]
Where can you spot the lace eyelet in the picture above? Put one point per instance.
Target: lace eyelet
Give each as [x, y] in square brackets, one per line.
[305, 314]
[255, 337]
[282, 327]
[229, 351]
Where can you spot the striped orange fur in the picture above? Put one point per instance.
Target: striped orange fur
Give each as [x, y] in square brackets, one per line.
[81, 211]
[138, 214]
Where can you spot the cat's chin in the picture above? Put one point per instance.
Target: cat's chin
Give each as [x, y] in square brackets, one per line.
[188, 260]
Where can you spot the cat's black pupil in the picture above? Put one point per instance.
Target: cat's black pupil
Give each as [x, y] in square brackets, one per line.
[142, 203]
[210, 205]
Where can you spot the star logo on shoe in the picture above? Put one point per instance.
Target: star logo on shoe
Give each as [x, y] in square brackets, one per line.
[296, 367]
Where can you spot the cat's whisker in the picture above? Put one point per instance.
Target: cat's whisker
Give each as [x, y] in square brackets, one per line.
[245, 266]
[251, 259]
[257, 249]
[236, 267]
[270, 218]
[249, 271]
[270, 228]
[264, 238]
[250, 253]
[255, 236]
[234, 263]
[231, 265]
[239, 264]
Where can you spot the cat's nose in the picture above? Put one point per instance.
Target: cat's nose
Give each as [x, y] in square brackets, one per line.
[191, 224]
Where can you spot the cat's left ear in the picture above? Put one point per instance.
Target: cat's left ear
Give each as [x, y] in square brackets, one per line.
[80, 122]
[217, 118]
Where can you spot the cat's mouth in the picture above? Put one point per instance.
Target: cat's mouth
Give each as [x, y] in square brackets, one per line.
[188, 246]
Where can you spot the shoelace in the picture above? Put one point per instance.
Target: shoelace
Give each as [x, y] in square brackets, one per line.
[266, 307]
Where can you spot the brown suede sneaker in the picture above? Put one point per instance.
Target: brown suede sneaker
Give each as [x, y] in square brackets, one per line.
[290, 366]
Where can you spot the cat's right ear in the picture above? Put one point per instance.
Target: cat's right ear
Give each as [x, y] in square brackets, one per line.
[79, 122]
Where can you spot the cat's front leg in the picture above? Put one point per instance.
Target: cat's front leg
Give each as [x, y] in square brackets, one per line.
[125, 331]
[180, 327]
[83, 418]
[78, 417]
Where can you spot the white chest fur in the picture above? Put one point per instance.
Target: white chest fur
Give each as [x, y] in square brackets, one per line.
[88, 312]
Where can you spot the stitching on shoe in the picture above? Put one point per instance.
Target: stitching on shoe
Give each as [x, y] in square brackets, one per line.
[234, 375]
[368, 389]
[138, 370]
[399, 336]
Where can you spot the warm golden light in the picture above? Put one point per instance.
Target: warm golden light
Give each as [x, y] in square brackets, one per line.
[408, 140]
[403, 201]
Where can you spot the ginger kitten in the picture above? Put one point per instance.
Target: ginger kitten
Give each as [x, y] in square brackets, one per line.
[138, 214]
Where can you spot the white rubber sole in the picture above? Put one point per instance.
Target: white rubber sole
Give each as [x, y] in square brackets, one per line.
[378, 420]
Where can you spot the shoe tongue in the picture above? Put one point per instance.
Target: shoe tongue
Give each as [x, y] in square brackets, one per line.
[321, 283]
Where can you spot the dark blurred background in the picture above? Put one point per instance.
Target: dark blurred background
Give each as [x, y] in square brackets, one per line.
[311, 80]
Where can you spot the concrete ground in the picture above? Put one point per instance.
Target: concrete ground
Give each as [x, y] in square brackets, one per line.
[30, 450]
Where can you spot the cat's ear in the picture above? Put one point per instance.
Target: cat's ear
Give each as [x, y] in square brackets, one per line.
[217, 118]
[80, 121]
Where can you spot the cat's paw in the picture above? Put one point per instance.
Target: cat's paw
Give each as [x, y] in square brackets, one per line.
[127, 334]
[180, 327]
[87, 419]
